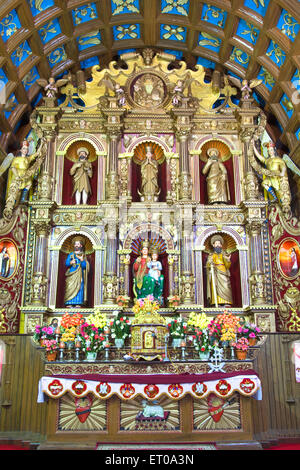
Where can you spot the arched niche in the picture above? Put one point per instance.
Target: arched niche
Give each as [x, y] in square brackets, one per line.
[59, 249]
[238, 269]
[66, 156]
[139, 157]
[71, 158]
[229, 157]
[157, 237]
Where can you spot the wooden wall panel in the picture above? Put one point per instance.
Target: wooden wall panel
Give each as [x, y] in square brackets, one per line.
[278, 414]
[19, 411]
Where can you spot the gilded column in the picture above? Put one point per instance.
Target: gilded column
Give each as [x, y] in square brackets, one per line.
[112, 179]
[187, 280]
[183, 127]
[113, 126]
[185, 180]
[40, 280]
[257, 276]
[110, 281]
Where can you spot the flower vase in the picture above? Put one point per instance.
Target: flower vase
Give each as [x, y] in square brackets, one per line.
[91, 355]
[70, 344]
[252, 341]
[241, 355]
[119, 342]
[176, 342]
[204, 355]
[51, 355]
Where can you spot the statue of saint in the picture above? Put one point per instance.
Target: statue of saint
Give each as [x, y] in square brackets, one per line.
[276, 181]
[217, 179]
[149, 170]
[76, 275]
[148, 279]
[218, 276]
[81, 172]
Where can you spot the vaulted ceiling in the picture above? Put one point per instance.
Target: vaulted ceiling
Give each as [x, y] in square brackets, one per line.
[245, 38]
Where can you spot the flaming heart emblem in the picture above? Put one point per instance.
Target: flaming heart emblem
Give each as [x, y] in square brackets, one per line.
[215, 407]
[83, 408]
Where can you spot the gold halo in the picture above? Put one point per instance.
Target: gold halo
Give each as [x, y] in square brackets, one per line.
[72, 152]
[67, 246]
[228, 245]
[223, 149]
[140, 152]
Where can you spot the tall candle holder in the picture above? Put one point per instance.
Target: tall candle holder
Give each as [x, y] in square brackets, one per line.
[77, 349]
[61, 351]
[106, 346]
[166, 359]
[183, 346]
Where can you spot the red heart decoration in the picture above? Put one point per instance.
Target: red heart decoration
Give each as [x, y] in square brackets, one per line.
[83, 412]
[215, 407]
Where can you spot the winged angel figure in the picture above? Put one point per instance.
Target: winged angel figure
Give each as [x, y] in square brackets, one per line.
[21, 167]
[51, 87]
[245, 86]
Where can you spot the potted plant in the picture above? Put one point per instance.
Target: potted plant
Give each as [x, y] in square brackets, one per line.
[42, 333]
[201, 341]
[214, 331]
[229, 327]
[92, 340]
[241, 347]
[51, 349]
[251, 332]
[68, 337]
[177, 329]
[120, 329]
[69, 327]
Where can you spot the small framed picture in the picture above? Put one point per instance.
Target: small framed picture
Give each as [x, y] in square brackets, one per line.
[288, 258]
[9, 259]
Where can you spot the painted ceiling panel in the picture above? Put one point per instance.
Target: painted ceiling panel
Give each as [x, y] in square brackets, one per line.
[250, 38]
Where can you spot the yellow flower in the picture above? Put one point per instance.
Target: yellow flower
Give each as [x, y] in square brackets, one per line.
[98, 319]
[198, 320]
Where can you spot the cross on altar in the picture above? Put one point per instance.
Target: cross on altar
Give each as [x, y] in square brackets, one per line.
[217, 363]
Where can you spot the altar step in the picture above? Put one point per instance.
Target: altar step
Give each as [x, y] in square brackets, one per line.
[156, 447]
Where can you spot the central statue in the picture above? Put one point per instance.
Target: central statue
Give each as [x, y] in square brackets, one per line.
[148, 279]
[149, 170]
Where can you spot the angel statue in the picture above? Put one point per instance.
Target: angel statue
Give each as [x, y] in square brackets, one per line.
[275, 180]
[51, 87]
[22, 168]
[245, 86]
[178, 93]
[116, 89]
[120, 94]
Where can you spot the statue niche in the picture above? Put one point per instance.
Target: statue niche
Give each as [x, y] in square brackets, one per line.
[222, 282]
[216, 174]
[149, 270]
[148, 173]
[75, 273]
[80, 175]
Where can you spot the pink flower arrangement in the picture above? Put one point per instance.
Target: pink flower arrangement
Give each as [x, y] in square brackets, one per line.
[50, 344]
[43, 332]
[249, 330]
[241, 343]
